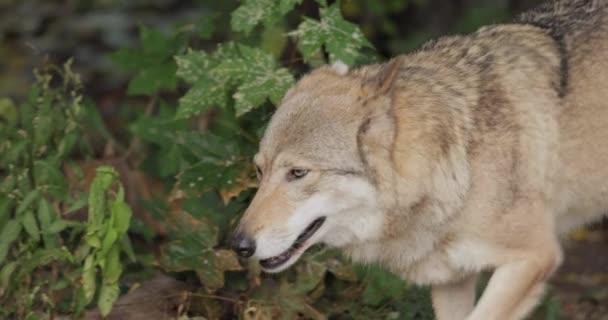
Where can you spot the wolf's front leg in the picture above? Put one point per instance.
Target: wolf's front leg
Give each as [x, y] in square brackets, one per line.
[454, 300]
[516, 287]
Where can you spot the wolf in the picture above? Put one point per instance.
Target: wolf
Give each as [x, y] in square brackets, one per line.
[474, 153]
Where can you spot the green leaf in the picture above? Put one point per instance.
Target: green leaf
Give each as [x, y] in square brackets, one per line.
[60, 225]
[89, 278]
[199, 98]
[192, 243]
[127, 248]
[342, 39]
[7, 274]
[152, 62]
[260, 78]
[46, 217]
[309, 276]
[207, 147]
[47, 174]
[112, 268]
[93, 241]
[255, 92]
[30, 225]
[104, 178]
[10, 232]
[193, 66]
[8, 112]
[381, 285]
[205, 27]
[155, 48]
[108, 294]
[122, 217]
[251, 71]
[253, 12]
[107, 243]
[153, 78]
[204, 177]
[27, 201]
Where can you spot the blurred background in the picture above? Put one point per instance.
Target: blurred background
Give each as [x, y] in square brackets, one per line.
[39, 33]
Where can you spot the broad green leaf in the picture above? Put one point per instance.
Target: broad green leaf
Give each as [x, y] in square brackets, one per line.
[204, 177]
[108, 294]
[254, 93]
[251, 72]
[207, 147]
[155, 48]
[152, 62]
[93, 241]
[342, 39]
[30, 225]
[108, 242]
[9, 233]
[112, 268]
[193, 66]
[89, 278]
[214, 264]
[202, 97]
[260, 78]
[121, 215]
[153, 78]
[253, 12]
[130, 59]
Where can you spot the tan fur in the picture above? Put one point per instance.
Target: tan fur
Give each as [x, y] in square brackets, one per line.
[481, 150]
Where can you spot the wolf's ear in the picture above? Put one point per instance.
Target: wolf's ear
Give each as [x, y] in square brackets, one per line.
[340, 68]
[382, 82]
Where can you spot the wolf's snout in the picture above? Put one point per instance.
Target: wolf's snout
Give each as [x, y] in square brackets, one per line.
[243, 245]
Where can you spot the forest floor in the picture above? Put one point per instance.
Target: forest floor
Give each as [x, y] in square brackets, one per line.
[581, 284]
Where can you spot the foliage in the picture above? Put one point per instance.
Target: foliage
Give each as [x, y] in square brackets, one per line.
[208, 93]
[48, 257]
[236, 84]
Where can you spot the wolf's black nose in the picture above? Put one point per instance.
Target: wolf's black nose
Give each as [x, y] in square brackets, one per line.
[244, 246]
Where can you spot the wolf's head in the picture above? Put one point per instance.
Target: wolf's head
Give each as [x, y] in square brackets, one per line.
[314, 186]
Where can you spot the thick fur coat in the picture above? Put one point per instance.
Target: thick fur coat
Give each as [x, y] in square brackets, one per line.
[474, 153]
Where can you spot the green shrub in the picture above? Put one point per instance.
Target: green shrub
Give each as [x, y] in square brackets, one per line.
[49, 258]
[233, 88]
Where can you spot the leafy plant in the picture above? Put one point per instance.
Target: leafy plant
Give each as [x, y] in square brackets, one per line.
[48, 257]
[233, 89]
[108, 221]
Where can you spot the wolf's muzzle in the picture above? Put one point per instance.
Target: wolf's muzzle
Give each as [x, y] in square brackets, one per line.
[243, 245]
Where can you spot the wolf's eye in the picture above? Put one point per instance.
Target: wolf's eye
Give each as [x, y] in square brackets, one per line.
[296, 173]
[258, 171]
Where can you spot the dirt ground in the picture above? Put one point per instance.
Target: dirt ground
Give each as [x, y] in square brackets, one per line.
[581, 284]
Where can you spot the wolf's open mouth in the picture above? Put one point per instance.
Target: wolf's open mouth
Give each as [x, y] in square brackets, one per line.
[277, 261]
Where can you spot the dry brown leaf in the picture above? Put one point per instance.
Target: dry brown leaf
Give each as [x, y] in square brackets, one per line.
[241, 184]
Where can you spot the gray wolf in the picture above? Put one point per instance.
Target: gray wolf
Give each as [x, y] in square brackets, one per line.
[474, 153]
